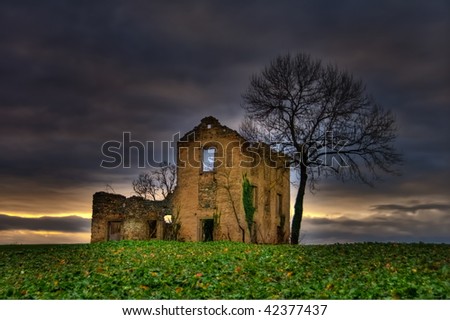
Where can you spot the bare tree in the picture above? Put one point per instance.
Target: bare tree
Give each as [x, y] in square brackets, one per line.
[323, 119]
[156, 184]
[166, 176]
[146, 185]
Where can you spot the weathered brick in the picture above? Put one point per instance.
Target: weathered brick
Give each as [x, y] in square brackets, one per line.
[215, 194]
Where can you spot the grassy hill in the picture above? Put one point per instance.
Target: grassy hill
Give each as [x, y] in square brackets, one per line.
[224, 270]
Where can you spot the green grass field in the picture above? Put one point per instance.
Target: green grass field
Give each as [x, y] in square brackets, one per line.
[224, 270]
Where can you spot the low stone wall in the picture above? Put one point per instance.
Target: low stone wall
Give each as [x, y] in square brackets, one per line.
[134, 213]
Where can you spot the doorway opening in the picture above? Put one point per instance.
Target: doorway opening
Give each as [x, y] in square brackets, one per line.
[207, 229]
[115, 230]
[152, 229]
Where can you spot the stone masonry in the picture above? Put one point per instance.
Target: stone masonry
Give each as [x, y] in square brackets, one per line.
[207, 204]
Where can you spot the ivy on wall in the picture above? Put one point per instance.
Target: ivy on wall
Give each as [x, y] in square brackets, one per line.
[247, 200]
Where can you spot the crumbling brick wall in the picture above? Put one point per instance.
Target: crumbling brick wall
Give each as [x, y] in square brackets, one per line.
[133, 213]
[205, 196]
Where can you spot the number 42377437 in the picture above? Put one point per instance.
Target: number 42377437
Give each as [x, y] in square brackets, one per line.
[295, 309]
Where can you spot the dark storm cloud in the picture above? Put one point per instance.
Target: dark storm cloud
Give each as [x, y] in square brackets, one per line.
[411, 209]
[396, 223]
[77, 75]
[74, 74]
[61, 224]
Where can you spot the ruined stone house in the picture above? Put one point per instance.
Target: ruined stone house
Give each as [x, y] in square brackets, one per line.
[227, 189]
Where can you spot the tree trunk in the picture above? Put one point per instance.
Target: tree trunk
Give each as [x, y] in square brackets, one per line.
[298, 207]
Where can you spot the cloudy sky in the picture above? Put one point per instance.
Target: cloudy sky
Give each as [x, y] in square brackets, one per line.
[75, 74]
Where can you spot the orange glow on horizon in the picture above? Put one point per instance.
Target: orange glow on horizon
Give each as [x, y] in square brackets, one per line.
[42, 237]
[56, 215]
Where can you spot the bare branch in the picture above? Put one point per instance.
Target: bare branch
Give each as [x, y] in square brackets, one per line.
[156, 184]
[323, 119]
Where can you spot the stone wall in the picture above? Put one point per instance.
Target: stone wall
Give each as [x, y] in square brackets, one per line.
[134, 213]
[218, 194]
[215, 194]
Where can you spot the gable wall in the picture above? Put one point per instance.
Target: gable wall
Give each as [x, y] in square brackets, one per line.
[208, 195]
